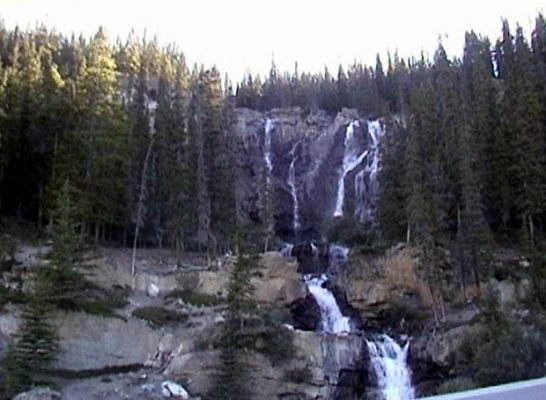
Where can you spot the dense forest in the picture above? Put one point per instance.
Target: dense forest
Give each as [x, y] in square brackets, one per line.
[144, 140]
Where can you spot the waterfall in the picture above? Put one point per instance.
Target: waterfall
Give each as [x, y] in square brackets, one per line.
[366, 185]
[267, 147]
[332, 320]
[389, 363]
[351, 159]
[286, 250]
[293, 192]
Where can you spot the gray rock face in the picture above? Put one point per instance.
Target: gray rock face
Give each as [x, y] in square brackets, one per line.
[323, 357]
[91, 342]
[314, 143]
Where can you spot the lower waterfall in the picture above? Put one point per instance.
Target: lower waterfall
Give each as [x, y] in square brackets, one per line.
[332, 320]
[389, 363]
[388, 359]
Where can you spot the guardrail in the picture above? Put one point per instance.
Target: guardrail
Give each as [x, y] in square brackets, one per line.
[534, 389]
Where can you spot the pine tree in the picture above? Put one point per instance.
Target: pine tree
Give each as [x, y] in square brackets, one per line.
[61, 280]
[28, 360]
[231, 382]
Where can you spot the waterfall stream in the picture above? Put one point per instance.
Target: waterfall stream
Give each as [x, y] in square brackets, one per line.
[389, 363]
[387, 357]
[351, 159]
[366, 185]
[332, 320]
[293, 191]
[388, 360]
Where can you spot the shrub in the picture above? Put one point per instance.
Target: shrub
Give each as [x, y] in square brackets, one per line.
[187, 281]
[454, 385]
[195, 298]
[159, 316]
[99, 301]
[501, 350]
[350, 232]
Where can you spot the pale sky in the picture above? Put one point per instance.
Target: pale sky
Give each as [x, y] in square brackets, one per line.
[242, 35]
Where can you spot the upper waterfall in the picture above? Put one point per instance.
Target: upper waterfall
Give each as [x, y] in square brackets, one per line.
[293, 189]
[351, 159]
[366, 184]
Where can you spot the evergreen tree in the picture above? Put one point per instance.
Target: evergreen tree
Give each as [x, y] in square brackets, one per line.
[28, 360]
[61, 280]
[232, 380]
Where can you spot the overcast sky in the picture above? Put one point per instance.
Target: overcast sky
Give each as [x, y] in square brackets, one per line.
[242, 35]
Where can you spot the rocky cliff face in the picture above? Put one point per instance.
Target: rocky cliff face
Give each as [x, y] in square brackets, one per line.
[311, 156]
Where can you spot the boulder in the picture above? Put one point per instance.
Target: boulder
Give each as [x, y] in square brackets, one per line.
[39, 394]
[174, 390]
[306, 313]
[312, 258]
[436, 347]
[279, 281]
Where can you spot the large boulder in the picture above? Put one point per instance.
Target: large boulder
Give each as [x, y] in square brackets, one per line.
[278, 280]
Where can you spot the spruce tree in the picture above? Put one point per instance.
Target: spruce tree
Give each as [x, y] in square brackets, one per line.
[231, 382]
[61, 281]
[28, 360]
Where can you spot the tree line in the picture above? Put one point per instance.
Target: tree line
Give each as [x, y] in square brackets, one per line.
[82, 110]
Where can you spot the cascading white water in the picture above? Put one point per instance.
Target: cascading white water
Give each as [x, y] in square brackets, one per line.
[293, 191]
[389, 362]
[332, 320]
[267, 146]
[286, 250]
[366, 185]
[351, 159]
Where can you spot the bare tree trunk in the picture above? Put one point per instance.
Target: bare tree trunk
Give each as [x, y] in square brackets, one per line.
[408, 233]
[40, 205]
[141, 198]
[531, 230]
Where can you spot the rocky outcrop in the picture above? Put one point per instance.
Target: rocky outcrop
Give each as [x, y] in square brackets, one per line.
[318, 367]
[93, 343]
[376, 285]
[277, 282]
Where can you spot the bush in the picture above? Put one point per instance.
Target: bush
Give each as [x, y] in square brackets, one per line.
[405, 316]
[502, 350]
[267, 335]
[455, 385]
[159, 316]
[105, 302]
[194, 298]
[187, 280]
[352, 233]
